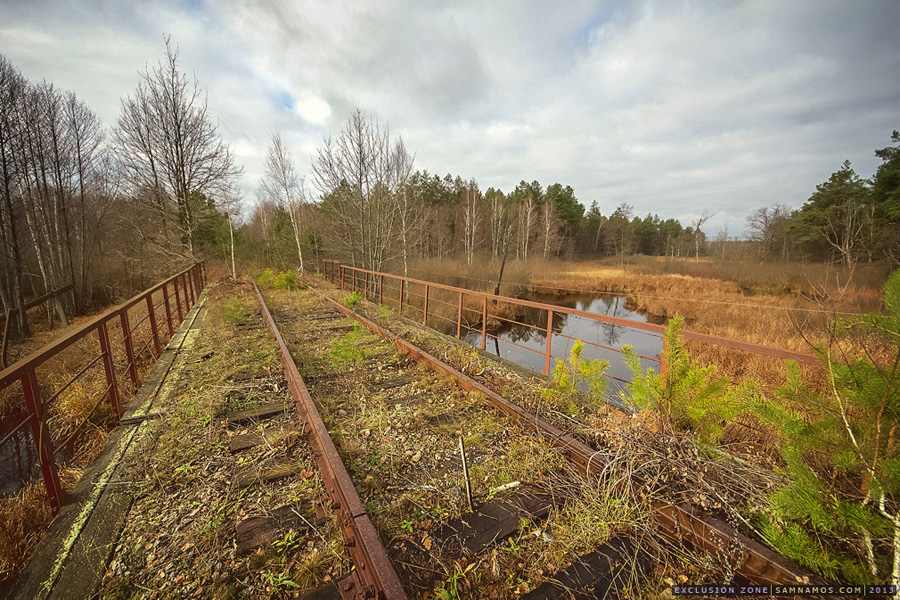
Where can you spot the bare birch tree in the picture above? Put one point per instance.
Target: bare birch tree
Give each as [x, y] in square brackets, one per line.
[87, 138]
[231, 204]
[12, 293]
[282, 184]
[471, 219]
[549, 227]
[357, 175]
[409, 209]
[706, 216]
[527, 218]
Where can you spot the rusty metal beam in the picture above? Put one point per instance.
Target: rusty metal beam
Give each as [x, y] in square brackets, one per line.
[375, 575]
[680, 522]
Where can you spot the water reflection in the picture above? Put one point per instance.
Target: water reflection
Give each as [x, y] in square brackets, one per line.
[593, 333]
[18, 456]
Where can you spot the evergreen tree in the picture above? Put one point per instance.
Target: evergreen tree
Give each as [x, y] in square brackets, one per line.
[838, 513]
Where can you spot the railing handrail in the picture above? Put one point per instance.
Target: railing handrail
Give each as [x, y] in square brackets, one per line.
[14, 372]
[800, 357]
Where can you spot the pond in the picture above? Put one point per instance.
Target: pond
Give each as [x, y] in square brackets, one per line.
[18, 456]
[595, 332]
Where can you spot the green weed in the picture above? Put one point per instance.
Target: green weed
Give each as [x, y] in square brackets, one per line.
[288, 544]
[346, 349]
[234, 313]
[456, 582]
[352, 300]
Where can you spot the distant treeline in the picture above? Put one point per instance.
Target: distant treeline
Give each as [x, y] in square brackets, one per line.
[847, 219]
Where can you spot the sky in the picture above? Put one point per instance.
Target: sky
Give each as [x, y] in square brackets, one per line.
[676, 108]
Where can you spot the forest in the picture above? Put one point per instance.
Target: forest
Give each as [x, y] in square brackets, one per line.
[99, 211]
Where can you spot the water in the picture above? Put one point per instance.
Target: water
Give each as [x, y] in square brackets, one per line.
[606, 334]
[18, 456]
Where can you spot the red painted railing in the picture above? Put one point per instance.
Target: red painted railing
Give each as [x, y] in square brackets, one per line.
[166, 303]
[478, 309]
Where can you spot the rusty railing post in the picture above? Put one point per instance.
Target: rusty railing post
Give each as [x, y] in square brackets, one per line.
[184, 293]
[153, 329]
[189, 285]
[165, 292]
[177, 300]
[42, 440]
[549, 342]
[663, 367]
[425, 308]
[484, 323]
[109, 368]
[366, 283]
[129, 347]
[459, 316]
[400, 305]
[342, 276]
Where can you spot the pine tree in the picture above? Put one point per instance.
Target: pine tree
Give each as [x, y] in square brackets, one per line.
[837, 514]
[687, 396]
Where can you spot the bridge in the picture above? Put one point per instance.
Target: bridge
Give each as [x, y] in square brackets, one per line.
[289, 433]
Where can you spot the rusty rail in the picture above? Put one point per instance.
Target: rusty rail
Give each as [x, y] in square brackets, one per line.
[372, 284]
[374, 575]
[680, 522]
[25, 371]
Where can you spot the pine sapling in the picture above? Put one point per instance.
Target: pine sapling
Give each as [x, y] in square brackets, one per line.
[688, 396]
[838, 512]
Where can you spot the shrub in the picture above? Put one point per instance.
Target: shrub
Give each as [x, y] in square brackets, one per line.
[346, 349]
[578, 372]
[285, 280]
[266, 279]
[352, 300]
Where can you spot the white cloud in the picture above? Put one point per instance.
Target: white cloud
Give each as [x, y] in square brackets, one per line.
[673, 108]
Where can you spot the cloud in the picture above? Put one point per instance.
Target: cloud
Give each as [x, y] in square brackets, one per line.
[675, 108]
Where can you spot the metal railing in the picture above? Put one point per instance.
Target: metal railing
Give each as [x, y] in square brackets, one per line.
[166, 304]
[483, 312]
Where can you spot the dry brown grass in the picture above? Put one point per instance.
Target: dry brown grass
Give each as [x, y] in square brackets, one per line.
[24, 516]
[716, 306]
[480, 276]
[787, 306]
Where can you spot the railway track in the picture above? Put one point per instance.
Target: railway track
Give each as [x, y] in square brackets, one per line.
[441, 485]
